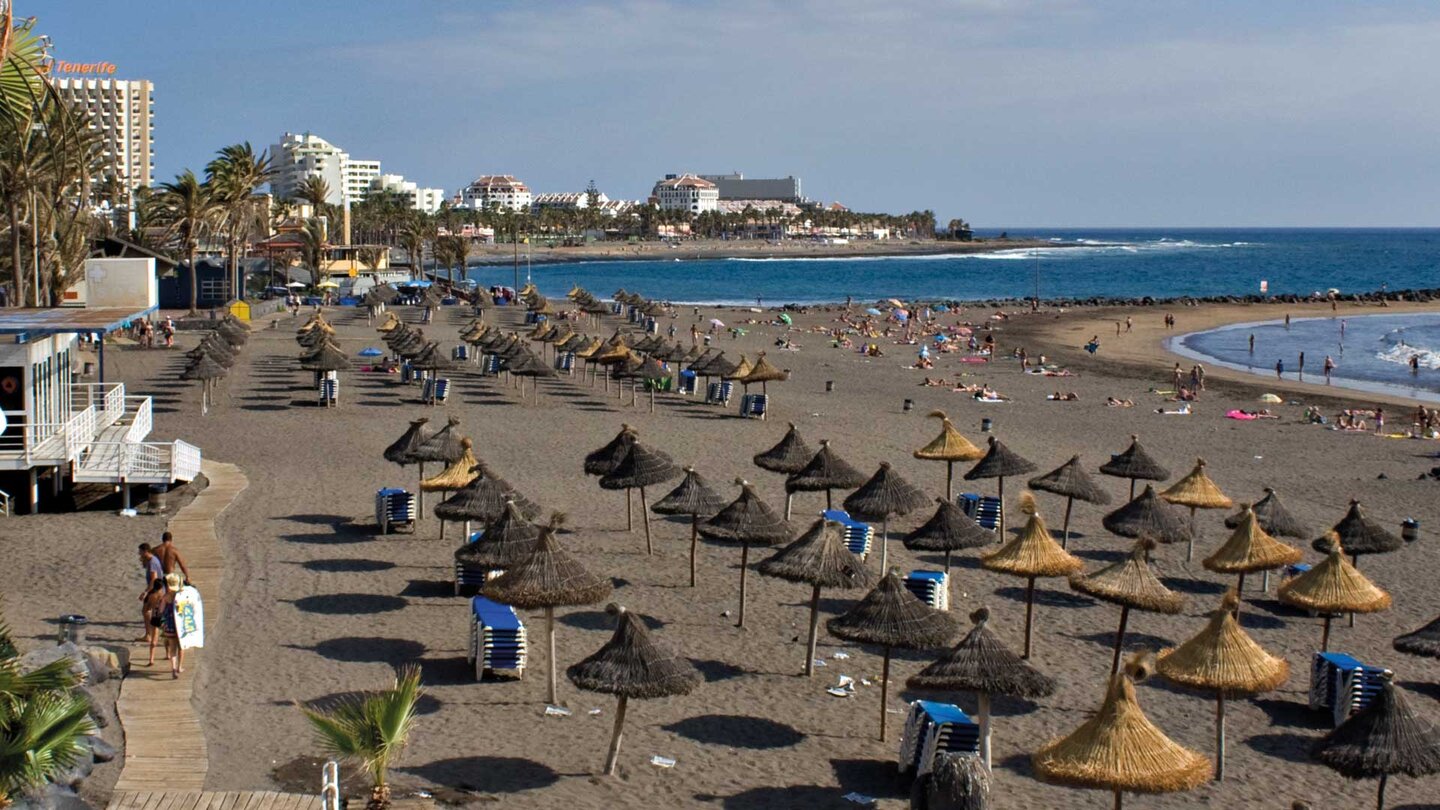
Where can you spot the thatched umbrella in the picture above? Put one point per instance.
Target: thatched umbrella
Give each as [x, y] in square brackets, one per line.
[505, 541]
[640, 467]
[885, 494]
[1333, 586]
[1196, 491]
[949, 447]
[632, 665]
[402, 451]
[1136, 464]
[1147, 516]
[763, 372]
[949, 529]
[483, 500]
[1071, 481]
[456, 475]
[1129, 583]
[747, 519]
[444, 445]
[207, 371]
[982, 664]
[892, 616]
[957, 781]
[1358, 534]
[601, 462]
[1250, 549]
[652, 373]
[695, 498]
[788, 456]
[548, 577]
[1224, 659]
[818, 558]
[825, 471]
[999, 462]
[326, 357]
[1424, 642]
[1385, 738]
[1119, 749]
[1032, 554]
[1273, 517]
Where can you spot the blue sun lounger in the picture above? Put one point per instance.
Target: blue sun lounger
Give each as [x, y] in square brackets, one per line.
[497, 638]
[329, 392]
[858, 536]
[393, 508]
[983, 509]
[934, 728]
[930, 588]
[1342, 684]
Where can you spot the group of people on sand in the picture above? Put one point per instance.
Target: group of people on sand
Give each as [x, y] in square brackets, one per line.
[144, 333]
[165, 575]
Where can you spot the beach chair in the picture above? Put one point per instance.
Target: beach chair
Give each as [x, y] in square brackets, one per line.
[932, 729]
[473, 576]
[439, 389]
[983, 509]
[394, 507]
[329, 392]
[491, 365]
[686, 384]
[565, 362]
[651, 327]
[632, 314]
[1342, 684]
[756, 406]
[726, 389]
[858, 536]
[930, 587]
[616, 307]
[461, 352]
[497, 638]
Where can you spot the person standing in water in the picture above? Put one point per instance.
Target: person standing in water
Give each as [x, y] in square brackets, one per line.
[1301, 369]
[1329, 367]
[1252, 342]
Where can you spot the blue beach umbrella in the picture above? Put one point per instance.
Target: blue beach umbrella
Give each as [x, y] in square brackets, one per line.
[370, 352]
[941, 308]
[872, 311]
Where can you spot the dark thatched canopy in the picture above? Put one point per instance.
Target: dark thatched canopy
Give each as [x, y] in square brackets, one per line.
[819, 557]
[604, 460]
[328, 358]
[1273, 517]
[692, 497]
[1071, 481]
[402, 451]
[504, 542]
[1386, 738]
[641, 466]
[1131, 582]
[982, 663]
[885, 494]
[790, 455]
[999, 462]
[949, 529]
[1135, 463]
[1359, 535]
[483, 499]
[205, 368]
[443, 445]
[1425, 641]
[825, 470]
[1148, 516]
[632, 665]
[747, 519]
[892, 616]
[547, 577]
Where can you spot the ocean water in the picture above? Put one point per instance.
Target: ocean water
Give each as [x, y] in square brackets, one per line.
[1372, 355]
[1084, 262]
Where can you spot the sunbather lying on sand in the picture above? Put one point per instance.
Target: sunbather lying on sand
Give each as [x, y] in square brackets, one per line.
[1183, 410]
[1068, 396]
[935, 383]
[1112, 402]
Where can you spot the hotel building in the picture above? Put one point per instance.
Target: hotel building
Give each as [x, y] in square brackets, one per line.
[686, 192]
[122, 111]
[421, 199]
[496, 191]
[297, 157]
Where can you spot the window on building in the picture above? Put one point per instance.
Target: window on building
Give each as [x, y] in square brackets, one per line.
[212, 289]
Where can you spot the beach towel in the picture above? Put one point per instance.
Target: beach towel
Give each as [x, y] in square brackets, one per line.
[1241, 415]
[189, 618]
[982, 399]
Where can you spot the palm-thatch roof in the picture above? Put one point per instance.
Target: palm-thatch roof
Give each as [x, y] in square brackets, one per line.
[1385, 738]
[1032, 552]
[999, 462]
[982, 663]
[790, 455]
[1131, 582]
[483, 499]
[763, 371]
[604, 460]
[444, 444]
[692, 497]
[402, 451]
[825, 470]
[1334, 586]
[740, 370]
[632, 665]
[820, 557]
[892, 616]
[949, 529]
[504, 542]
[1425, 641]
[327, 358]
[885, 494]
[1071, 481]
[1119, 749]
[1135, 463]
[205, 368]
[1359, 534]
[457, 474]
[1148, 516]
[641, 466]
[1222, 657]
[1197, 491]
[1273, 517]
[748, 519]
[950, 445]
[547, 577]
[1249, 549]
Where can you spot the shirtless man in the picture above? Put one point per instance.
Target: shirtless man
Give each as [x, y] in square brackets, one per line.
[170, 558]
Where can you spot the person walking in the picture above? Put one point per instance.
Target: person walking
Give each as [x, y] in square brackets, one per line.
[1252, 342]
[1414, 364]
[1129, 323]
[154, 572]
[1329, 367]
[169, 628]
[1176, 377]
[1279, 369]
[152, 604]
[1379, 420]
[170, 558]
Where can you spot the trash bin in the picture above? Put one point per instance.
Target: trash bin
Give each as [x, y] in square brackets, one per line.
[72, 628]
[986, 424]
[1410, 530]
[908, 405]
[158, 496]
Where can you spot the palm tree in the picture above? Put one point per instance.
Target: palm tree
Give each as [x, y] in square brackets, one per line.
[371, 730]
[190, 209]
[43, 722]
[457, 249]
[236, 175]
[412, 238]
[316, 191]
[313, 245]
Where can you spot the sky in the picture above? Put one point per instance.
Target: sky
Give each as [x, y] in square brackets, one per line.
[1003, 112]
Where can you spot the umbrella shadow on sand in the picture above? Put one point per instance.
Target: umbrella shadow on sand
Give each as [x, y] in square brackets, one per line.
[1289, 747]
[1133, 640]
[1198, 587]
[486, 774]
[349, 604]
[1291, 714]
[1000, 705]
[346, 565]
[737, 731]
[1048, 597]
[713, 671]
[427, 704]
[366, 649]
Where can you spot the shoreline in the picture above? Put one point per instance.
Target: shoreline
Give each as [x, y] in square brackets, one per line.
[721, 249]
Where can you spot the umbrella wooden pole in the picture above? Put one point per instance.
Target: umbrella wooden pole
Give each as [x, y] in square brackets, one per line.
[789, 498]
[1119, 796]
[694, 545]
[1239, 592]
[1219, 736]
[744, 568]
[1029, 613]
[629, 512]
[645, 516]
[949, 480]
[1355, 561]
[984, 701]
[1265, 581]
[550, 641]
[1001, 537]
[1120, 638]
[1132, 489]
[615, 737]
[884, 693]
[814, 632]
[1065, 527]
[652, 400]
[1325, 635]
[885, 543]
[420, 495]
[1190, 543]
[828, 505]
[442, 528]
[465, 538]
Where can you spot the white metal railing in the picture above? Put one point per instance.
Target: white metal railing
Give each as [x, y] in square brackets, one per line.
[185, 461]
[142, 422]
[115, 403]
[5, 502]
[127, 459]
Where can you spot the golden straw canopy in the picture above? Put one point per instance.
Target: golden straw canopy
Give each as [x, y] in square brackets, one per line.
[1197, 491]
[1334, 586]
[1250, 548]
[1032, 552]
[1222, 657]
[457, 475]
[950, 445]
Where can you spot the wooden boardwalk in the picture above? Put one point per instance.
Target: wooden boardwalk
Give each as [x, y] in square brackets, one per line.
[166, 760]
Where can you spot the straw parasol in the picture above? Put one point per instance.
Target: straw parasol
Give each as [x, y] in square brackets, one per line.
[1196, 491]
[1358, 534]
[892, 616]
[1333, 586]
[999, 462]
[957, 781]
[763, 372]
[746, 520]
[1147, 516]
[1071, 481]
[1385, 738]
[949, 529]
[548, 577]
[483, 499]
[982, 664]
[1129, 583]
[695, 498]
[506, 541]
[207, 370]
[1273, 517]
[1424, 642]
[949, 447]
[402, 450]
[1250, 549]
[1136, 464]
[444, 445]
[1222, 658]
[457, 475]
[826, 471]
[640, 467]
[601, 462]
[1032, 553]
[885, 494]
[1119, 749]
[818, 558]
[788, 456]
[632, 665]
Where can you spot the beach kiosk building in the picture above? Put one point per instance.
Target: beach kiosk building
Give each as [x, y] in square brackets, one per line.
[54, 425]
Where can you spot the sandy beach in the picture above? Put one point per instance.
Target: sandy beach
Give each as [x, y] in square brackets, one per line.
[317, 604]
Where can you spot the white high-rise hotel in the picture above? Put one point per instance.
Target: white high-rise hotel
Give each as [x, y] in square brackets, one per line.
[122, 111]
[297, 157]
